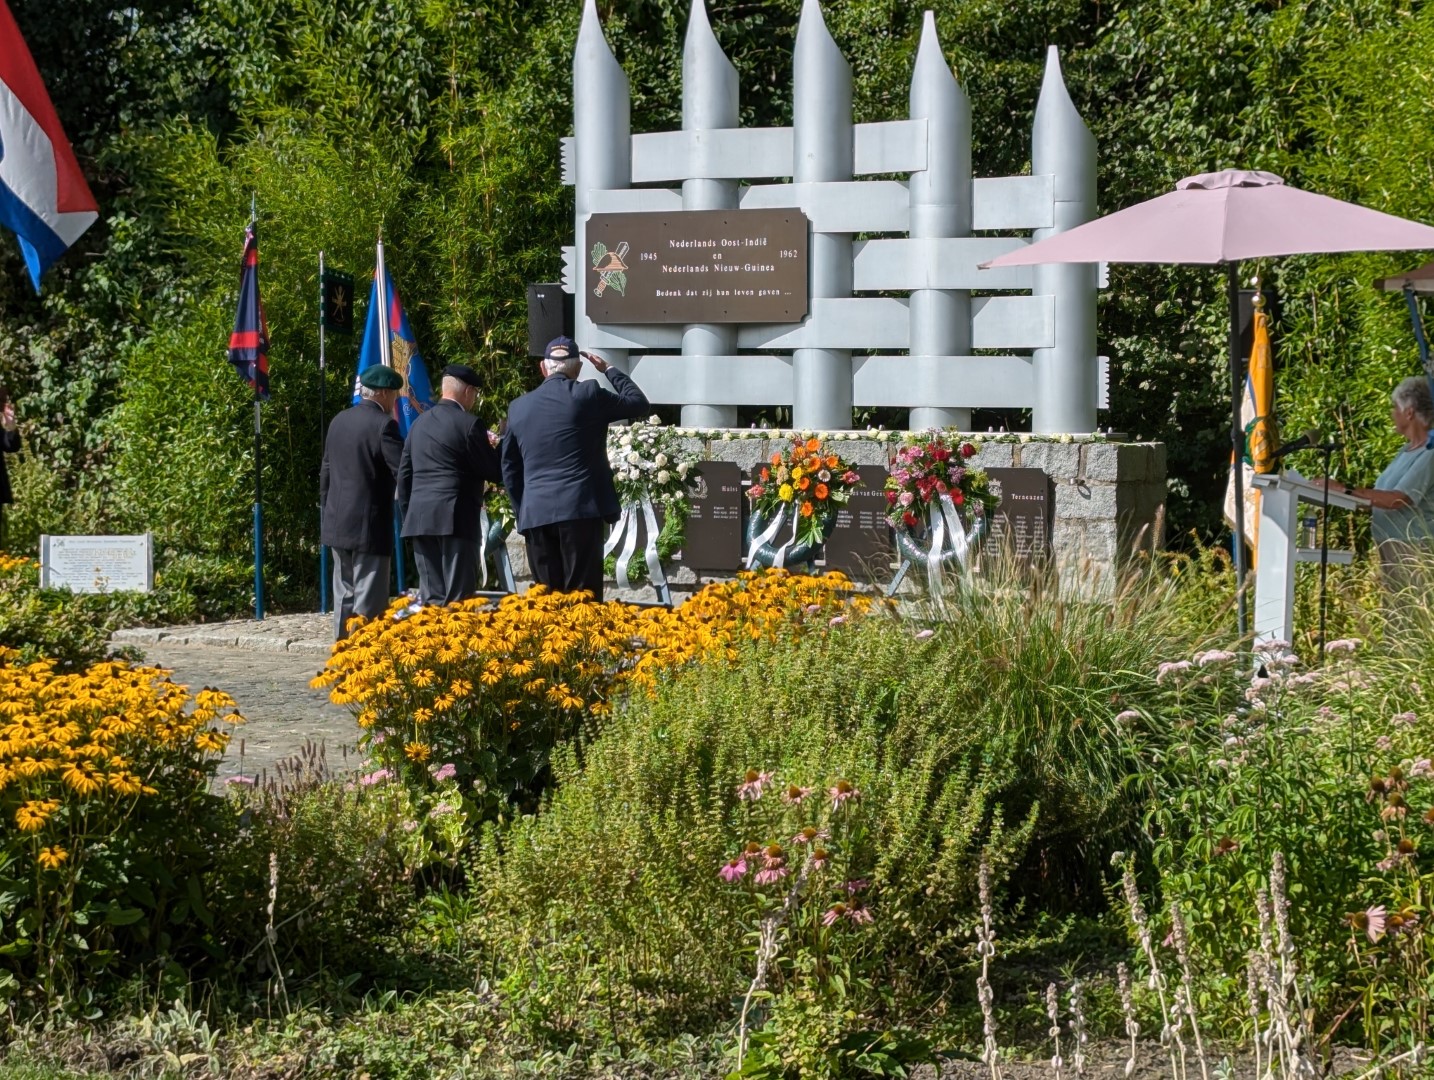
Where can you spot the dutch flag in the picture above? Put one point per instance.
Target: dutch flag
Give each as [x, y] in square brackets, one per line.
[43, 194]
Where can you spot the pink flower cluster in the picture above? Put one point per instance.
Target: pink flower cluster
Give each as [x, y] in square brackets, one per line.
[445, 772]
[753, 784]
[924, 472]
[373, 778]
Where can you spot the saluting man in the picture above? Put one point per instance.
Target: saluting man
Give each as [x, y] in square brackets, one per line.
[555, 466]
[356, 487]
[446, 460]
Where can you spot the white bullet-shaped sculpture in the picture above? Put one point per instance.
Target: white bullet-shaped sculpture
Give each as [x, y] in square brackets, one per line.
[940, 207]
[1067, 374]
[709, 102]
[602, 143]
[823, 150]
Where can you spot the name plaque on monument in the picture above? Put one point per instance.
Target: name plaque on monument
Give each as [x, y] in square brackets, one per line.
[697, 266]
[97, 564]
[714, 525]
[1021, 525]
[861, 542]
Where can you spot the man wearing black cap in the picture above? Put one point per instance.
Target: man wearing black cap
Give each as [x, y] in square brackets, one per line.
[555, 466]
[356, 483]
[446, 460]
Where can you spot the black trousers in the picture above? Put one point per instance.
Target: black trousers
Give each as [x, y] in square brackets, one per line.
[566, 556]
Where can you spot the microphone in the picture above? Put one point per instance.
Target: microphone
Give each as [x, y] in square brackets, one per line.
[1308, 441]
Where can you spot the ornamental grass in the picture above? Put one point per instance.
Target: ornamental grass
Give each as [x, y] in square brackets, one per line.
[100, 771]
[483, 692]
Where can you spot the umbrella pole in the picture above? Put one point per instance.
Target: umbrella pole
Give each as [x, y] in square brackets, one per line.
[1237, 440]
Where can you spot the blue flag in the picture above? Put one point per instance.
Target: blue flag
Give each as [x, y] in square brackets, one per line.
[389, 340]
[249, 343]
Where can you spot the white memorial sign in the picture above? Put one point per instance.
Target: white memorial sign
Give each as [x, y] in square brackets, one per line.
[97, 564]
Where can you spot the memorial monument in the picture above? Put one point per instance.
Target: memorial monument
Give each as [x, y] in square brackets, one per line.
[724, 266]
[714, 290]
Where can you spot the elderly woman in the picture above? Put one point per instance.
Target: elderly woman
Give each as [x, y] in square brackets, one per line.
[1402, 499]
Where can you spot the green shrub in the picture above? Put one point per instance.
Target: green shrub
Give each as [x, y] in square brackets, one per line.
[108, 823]
[74, 629]
[995, 733]
[329, 864]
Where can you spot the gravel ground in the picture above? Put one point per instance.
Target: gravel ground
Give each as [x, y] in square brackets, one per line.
[266, 667]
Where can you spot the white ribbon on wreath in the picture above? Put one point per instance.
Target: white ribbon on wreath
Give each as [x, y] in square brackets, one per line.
[768, 535]
[625, 533]
[483, 524]
[505, 570]
[943, 520]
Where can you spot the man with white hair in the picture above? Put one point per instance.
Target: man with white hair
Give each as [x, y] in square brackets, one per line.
[356, 484]
[446, 461]
[555, 466]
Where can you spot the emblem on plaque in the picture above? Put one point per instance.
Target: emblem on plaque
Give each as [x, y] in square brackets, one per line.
[611, 270]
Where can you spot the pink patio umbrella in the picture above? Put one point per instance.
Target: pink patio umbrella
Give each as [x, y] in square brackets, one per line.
[1223, 217]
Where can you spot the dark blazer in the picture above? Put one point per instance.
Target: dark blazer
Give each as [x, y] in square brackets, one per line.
[356, 480]
[446, 460]
[10, 444]
[555, 453]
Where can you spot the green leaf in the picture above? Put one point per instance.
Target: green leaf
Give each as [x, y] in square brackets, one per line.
[123, 916]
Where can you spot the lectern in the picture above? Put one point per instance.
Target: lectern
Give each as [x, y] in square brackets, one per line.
[1276, 551]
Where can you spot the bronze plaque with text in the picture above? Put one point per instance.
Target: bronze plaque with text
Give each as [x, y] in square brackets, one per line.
[861, 545]
[714, 526]
[1021, 525]
[697, 266]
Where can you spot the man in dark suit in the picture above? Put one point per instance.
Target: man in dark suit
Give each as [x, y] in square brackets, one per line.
[356, 484]
[555, 466]
[448, 457]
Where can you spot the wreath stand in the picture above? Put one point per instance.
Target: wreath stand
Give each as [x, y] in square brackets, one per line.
[948, 541]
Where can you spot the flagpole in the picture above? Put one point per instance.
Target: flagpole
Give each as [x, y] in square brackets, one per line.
[323, 432]
[258, 482]
[385, 352]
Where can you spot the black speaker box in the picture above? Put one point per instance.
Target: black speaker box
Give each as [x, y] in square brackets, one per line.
[550, 315]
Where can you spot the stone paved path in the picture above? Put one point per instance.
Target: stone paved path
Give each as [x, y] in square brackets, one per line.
[266, 668]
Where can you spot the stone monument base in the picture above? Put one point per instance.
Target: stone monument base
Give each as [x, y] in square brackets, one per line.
[1105, 501]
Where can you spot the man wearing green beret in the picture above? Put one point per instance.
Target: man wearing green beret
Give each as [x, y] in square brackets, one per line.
[356, 488]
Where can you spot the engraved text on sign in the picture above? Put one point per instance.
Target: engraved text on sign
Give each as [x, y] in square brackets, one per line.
[697, 266]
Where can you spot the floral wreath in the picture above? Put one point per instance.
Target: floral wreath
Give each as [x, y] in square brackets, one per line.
[496, 524]
[938, 506]
[801, 487]
[653, 469]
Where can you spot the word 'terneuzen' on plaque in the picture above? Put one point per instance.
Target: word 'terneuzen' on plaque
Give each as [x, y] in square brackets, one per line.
[714, 523]
[97, 564]
[1021, 525]
[861, 545]
[697, 266]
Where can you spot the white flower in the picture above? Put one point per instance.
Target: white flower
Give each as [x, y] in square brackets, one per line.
[654, 419]
[726, 436]
[682, 468]
[632, 458]
[660, 460]
[626, 440]
[663, 476]
[633, 474]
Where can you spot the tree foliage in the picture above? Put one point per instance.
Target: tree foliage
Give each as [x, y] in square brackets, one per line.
[438, 122]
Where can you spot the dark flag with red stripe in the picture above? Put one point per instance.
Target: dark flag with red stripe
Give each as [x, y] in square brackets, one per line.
[249, 344]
